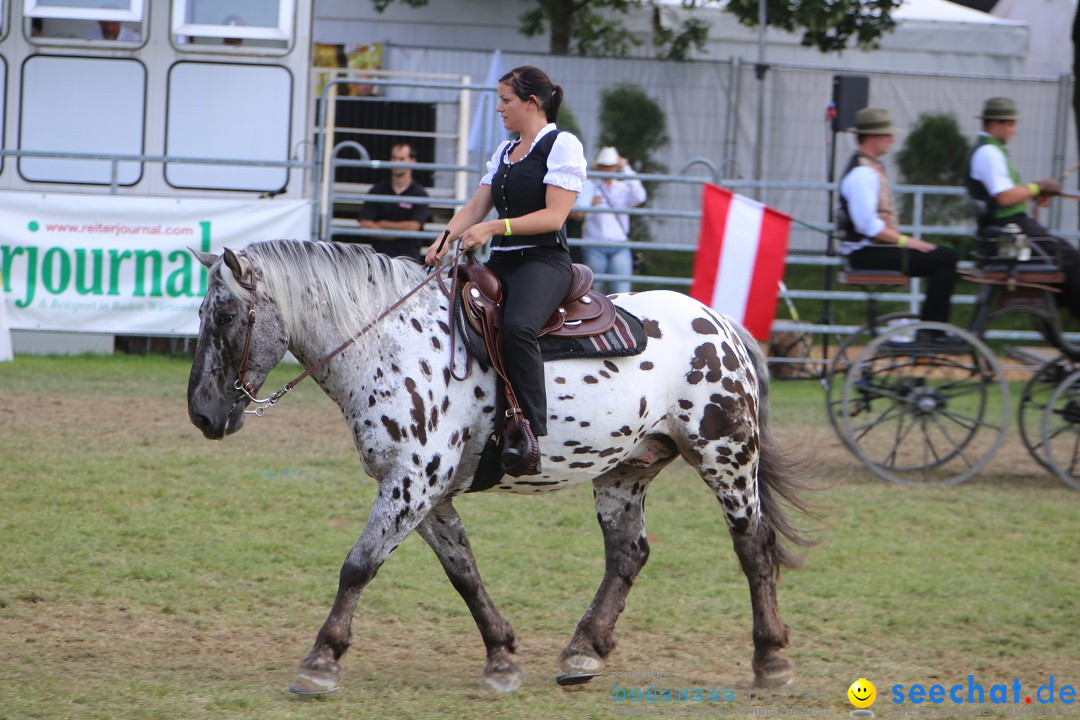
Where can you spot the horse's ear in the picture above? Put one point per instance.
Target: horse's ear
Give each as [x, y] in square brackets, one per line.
[207, 259]
[240, 266]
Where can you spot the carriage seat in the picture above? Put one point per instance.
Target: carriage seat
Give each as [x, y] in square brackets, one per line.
[849, 276]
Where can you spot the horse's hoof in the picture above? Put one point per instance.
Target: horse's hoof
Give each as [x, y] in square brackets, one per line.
[580, 664]
[566, 679]
[777, 671]
[310, 682]
[506, 681]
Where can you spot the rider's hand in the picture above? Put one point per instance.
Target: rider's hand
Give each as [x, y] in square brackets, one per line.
[478, 235]
[1049, 187]
[438, 249]
[920, 245]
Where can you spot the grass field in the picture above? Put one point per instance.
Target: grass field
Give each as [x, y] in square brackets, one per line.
[148, 573]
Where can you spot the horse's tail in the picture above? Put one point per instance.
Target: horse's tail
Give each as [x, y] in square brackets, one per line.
[781, 475]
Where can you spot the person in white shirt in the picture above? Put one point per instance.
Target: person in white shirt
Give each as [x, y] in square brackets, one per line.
[871, 230]
[993, 180]
[609, 227]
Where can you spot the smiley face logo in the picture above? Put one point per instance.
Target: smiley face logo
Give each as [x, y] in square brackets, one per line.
[862, 693]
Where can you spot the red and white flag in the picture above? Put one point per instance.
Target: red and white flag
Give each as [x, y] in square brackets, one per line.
[740, 258]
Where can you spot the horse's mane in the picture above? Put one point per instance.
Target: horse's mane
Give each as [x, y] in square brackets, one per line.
[354, 281]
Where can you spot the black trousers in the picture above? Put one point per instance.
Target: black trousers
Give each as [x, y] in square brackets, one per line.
[1067, 255]
[938, 266]
[535, 281]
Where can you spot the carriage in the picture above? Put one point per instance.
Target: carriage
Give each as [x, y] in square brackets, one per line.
[915, 414]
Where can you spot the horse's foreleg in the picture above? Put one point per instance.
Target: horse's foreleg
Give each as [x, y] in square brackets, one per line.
[754, 541]
[443, 530]
[392, 518]
[620, 499]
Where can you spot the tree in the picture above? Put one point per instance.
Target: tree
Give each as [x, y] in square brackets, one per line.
[935, 152]
[828, 25]
[595, 27]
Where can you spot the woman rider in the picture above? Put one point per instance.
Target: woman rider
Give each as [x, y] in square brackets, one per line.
[533, 183]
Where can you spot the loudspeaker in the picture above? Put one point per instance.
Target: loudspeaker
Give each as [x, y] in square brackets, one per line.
[850, 94]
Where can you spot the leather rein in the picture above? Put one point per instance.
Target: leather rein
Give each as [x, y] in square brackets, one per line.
[263, 404]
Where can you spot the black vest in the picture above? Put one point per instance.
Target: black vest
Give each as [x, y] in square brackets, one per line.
[519, 189]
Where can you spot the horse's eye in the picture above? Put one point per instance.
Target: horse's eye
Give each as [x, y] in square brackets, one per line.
[225, 318]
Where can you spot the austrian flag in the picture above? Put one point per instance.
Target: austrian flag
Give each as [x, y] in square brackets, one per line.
[740, 258]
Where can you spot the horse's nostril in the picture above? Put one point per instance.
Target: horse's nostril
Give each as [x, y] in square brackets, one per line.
[201, 421]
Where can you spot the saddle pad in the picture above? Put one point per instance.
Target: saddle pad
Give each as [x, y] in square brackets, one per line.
[626, 337]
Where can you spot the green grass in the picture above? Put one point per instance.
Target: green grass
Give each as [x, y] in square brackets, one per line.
[148, 573]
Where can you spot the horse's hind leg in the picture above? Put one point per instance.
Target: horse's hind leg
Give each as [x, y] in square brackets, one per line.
[755, 544]
[443, 530]
[620, 500]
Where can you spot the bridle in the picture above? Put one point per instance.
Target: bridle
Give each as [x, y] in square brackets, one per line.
[247, 390]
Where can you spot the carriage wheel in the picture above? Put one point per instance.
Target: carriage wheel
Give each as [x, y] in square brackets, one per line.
[833, 381]
[924, 417]
[1061, 431]
[1034, 399]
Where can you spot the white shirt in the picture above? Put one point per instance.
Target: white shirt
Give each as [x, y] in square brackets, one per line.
[862, 189]
[566, 161]
[619, 194]
[989, 166]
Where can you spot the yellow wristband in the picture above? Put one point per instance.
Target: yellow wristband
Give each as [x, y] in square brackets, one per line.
[902, 240]
[508, 231]
[1034, 188]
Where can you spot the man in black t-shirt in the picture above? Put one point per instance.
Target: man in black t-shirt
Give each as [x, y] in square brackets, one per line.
[401, 215]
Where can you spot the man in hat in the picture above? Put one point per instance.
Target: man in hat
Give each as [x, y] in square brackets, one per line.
[609, 227]
[871, 231]
[993, 180]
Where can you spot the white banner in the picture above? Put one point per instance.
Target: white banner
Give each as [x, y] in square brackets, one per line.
[114, 264]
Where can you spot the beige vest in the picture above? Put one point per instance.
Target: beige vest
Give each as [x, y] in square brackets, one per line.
[886, 208]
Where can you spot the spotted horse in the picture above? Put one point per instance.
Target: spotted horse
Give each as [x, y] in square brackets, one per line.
[698, 391]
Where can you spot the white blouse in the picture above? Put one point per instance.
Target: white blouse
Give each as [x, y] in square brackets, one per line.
[566, 162]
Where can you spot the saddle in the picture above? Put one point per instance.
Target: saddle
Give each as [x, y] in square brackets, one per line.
[582, 313]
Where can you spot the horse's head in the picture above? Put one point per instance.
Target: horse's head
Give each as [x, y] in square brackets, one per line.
[241, 338]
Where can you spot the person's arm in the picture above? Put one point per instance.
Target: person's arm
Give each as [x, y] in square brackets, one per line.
[478, 207]
[861, 188]
[635, 191]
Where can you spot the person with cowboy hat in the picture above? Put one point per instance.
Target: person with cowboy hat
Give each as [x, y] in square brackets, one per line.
[609, 227]
[1002, 197]
[871, 230]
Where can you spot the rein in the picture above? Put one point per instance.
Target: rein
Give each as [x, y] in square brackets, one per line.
[248, 390]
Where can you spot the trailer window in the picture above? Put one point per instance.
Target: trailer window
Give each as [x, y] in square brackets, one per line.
[86, 22]
[234, 25]
[63, 110]
[230, 112]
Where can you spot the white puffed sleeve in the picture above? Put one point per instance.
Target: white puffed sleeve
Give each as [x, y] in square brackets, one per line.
[566, 163]
[493, 163]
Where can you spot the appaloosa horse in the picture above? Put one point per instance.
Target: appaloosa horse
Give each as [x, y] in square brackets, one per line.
[699, 390]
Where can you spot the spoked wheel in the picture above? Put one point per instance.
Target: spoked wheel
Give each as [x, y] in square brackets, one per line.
[845, 356]
[916, 415]
[1061, 431]
[1034, 400]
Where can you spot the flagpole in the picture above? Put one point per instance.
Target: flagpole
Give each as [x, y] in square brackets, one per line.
[759, 70]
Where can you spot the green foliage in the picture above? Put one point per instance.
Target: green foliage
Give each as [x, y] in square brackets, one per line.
[595, 27]
[634, 123]
[828, 25]
[935, 152]
[568, 121]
